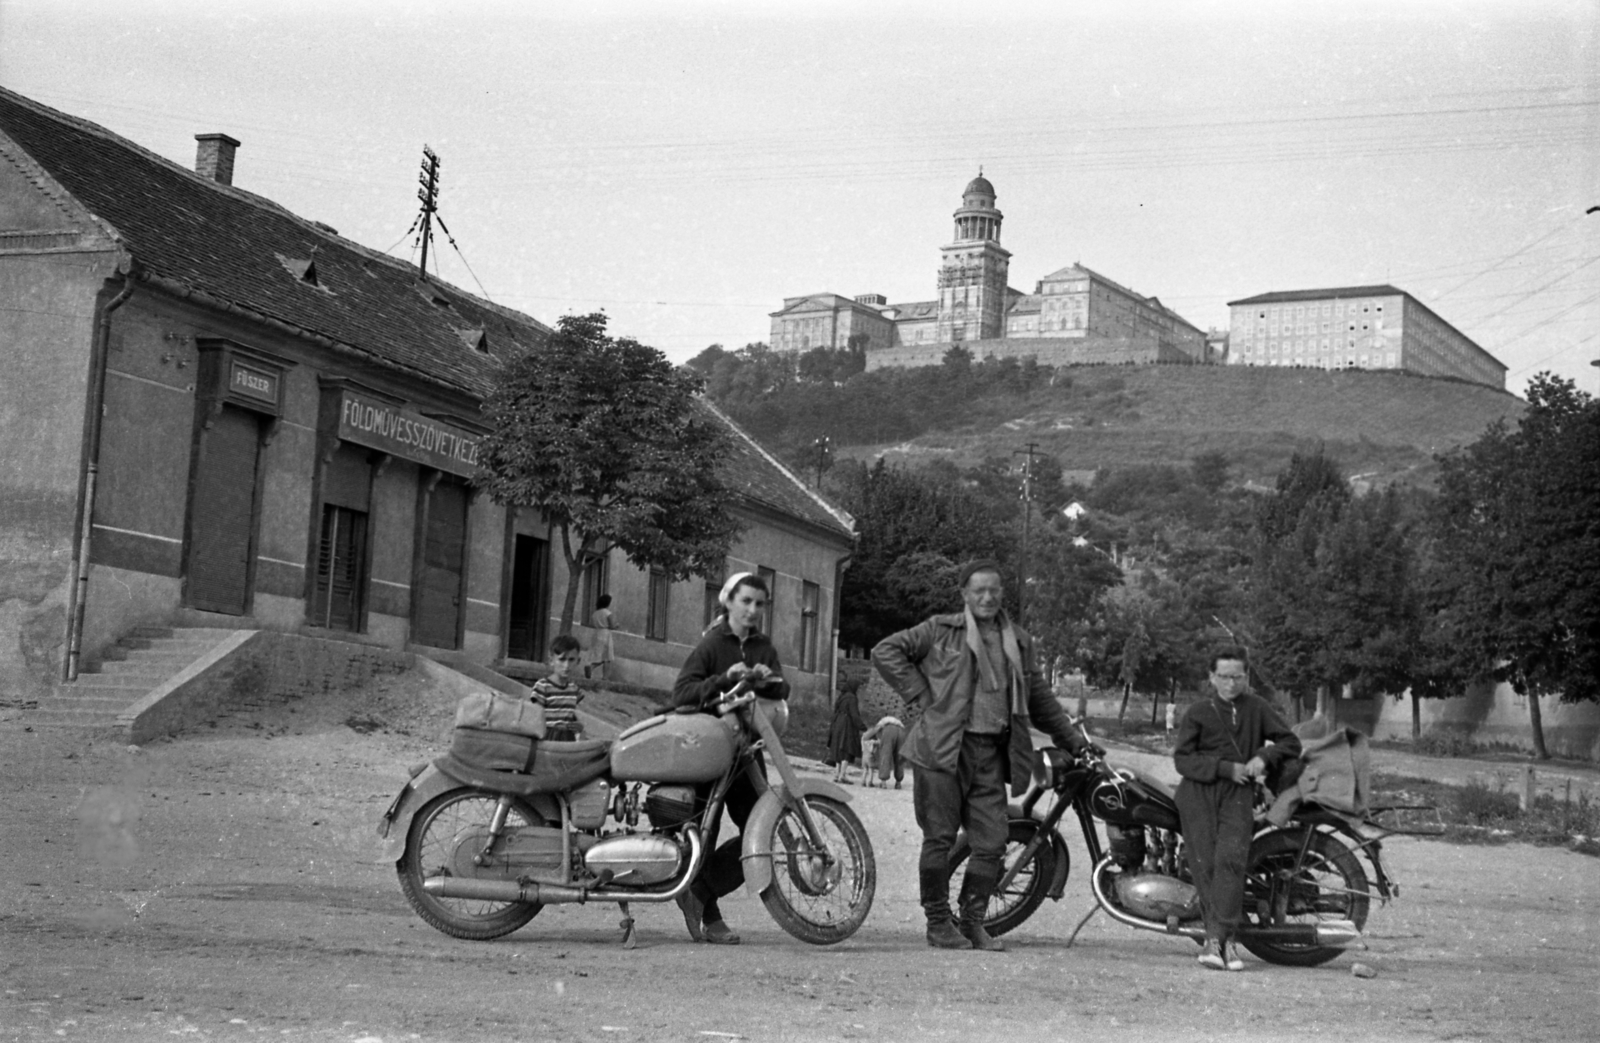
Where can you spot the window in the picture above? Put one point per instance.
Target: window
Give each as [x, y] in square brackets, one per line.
[655, 627]
[713, 607]
[810, 624]
[596, 578]
[769, 616]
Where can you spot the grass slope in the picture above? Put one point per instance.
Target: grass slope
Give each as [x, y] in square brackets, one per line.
[1387, 424]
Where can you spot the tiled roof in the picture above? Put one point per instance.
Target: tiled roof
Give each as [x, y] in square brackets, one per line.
[917, 310]
[1025, 303]
[758, 476]
[244, 251]
[1338, 293]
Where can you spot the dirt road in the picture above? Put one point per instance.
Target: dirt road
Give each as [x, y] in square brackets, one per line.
[226, 885]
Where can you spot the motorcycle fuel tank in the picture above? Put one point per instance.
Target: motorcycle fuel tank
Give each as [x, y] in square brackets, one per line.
[635, 859]
[674, 747]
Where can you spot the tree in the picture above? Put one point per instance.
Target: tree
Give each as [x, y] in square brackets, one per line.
[1518, 522]
[916, 528]
[604, 437]
[1334, 582]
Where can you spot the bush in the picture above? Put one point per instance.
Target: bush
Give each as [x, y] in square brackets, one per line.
[1479, 805]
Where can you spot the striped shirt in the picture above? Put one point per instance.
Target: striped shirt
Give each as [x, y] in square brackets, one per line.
[560, 702]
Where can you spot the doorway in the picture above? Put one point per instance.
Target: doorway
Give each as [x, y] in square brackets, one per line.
[443, 567]
[527, 634]
[222, 514]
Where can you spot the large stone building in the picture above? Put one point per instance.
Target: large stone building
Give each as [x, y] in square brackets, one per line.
[1355, 327]
[216, 413]
[1074, 314]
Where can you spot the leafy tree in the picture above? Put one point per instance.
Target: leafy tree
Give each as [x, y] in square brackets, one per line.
[916, 528]
[604, 437]
[1518, 522]
[1334, 598]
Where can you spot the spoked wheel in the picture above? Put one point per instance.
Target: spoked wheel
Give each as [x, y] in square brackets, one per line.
[447, 830]
[1283, 887]
[1021, 897]
[821, 896]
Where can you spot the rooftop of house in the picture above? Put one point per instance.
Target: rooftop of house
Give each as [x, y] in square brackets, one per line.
[193, 234]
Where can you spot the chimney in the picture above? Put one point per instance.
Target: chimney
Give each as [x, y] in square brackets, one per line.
[214, 157]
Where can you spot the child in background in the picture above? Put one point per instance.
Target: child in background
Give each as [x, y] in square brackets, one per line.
[559, 693]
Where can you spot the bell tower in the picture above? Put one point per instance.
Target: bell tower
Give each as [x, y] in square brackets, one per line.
[973, 269]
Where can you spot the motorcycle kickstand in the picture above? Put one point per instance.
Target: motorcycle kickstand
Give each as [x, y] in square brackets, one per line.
[630, 937]
[1086, 918]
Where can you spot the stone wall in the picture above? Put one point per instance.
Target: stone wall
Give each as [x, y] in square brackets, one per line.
[258, 668]
[1049, 351]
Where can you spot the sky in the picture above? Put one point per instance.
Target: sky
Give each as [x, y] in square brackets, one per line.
[686, 166]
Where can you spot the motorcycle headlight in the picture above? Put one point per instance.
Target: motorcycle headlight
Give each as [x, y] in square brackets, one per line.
[776, 711]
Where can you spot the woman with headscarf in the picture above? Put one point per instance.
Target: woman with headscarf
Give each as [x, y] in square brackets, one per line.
[729, 651]
[844, 735]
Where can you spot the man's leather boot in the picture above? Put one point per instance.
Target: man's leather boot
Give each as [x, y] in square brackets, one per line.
[974, 901]
[942, 933]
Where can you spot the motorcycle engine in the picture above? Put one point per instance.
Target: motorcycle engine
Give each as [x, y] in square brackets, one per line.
[669, 806]
[635, 858]
[1156, 896]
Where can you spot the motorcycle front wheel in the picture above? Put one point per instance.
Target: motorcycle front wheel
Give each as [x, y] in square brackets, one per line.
[1010, 906]
[1282, 886]
[821, 896]
[431, 844]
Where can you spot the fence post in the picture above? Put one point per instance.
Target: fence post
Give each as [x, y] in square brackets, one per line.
[1527, 787]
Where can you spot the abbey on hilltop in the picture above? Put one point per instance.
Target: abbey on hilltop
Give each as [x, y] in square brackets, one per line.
[1074, 315]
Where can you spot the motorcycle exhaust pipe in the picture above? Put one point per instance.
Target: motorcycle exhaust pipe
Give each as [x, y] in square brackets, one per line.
[1328, 934]
[501, 890]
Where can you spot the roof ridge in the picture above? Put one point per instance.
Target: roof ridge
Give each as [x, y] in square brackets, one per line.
[838, 514]
[311, 225]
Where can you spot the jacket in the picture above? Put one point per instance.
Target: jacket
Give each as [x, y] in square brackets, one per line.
[705, 672]
[934, 671]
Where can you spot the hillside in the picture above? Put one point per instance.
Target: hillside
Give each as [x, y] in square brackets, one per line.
[1385, 425]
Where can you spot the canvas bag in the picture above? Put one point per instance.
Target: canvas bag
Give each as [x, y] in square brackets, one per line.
[491, 711]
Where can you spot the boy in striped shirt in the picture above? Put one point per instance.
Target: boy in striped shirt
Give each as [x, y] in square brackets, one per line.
[558, 693]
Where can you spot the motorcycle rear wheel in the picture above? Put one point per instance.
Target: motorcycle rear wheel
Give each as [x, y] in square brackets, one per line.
[818, 900]
[429, 844]
[1010, 908]
[1283, 888]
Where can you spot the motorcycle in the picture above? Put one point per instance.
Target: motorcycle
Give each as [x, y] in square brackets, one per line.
[479, 852]
[1306, 893]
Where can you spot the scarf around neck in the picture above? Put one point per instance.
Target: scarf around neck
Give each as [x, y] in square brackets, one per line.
[1013, 652]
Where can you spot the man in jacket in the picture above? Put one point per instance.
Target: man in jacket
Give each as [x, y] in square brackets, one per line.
[970, 679]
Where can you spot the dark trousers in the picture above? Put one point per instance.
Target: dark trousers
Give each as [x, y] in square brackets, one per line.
[724, 869]
[974, 797]
[1218, 820]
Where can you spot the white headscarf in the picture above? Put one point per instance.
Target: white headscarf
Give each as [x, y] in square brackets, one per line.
[732, 585]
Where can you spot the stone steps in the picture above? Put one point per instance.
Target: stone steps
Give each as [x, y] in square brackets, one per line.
[139, 663]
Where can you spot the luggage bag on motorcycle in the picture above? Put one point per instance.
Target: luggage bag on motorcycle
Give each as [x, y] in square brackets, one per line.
[492, 750]
[496, 731]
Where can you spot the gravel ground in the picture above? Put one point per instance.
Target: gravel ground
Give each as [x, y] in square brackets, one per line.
[227, 885]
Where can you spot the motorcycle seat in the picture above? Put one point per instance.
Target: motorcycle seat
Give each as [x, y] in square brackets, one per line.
[556, 766]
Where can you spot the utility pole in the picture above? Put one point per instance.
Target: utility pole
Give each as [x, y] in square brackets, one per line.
[429, 194]
[824, 450]
[1027, 514]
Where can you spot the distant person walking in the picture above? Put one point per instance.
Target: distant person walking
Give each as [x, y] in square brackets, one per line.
[602, 652]
[844, 736]
[890, 736]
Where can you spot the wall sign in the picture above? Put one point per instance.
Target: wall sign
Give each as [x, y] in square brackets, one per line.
[242, 376]
[253, 382]
[407, 434]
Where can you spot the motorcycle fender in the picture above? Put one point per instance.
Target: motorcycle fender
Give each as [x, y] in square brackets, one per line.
[417, 791]
[758, 829]
[1058, 882]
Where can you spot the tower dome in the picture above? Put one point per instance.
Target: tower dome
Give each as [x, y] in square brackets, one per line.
[979, 186]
